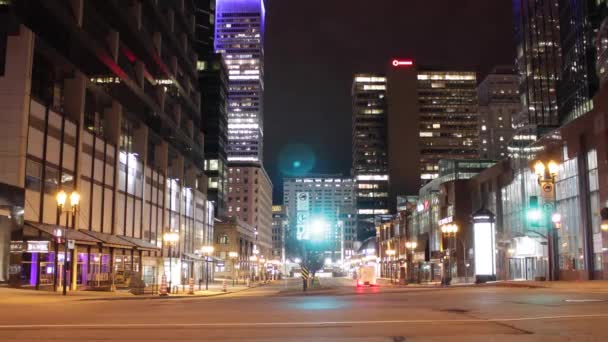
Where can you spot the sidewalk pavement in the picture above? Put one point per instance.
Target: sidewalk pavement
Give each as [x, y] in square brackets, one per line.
[26, 296]
[601, 285]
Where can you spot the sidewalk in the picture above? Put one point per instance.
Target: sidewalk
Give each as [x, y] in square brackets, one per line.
[23, 296]
[589, 285]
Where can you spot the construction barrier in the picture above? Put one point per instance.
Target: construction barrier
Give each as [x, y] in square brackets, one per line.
[224, 286]
[163, 286]
[191, 284]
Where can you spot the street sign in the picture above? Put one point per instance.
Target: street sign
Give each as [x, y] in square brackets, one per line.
[548, 193]
[71, 244]
[305, 273]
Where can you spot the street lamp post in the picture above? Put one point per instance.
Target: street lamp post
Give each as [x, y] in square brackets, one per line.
[207, 251]
[449, 230]
[61, 198]
[410, 246]
[546, 174]
[391, 254]
[170, 238]
[233, 256]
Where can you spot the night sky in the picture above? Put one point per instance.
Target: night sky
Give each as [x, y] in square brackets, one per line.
[313, 48]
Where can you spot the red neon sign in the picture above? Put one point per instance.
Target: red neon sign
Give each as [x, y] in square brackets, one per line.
[402, 62]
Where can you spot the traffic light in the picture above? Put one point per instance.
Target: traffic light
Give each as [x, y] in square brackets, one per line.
[534, 214]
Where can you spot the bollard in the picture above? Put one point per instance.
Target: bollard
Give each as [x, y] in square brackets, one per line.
[247, 282]
[163, 286]
[191, 284]
[224, 286]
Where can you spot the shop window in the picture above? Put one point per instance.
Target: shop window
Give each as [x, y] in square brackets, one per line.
[223, 240]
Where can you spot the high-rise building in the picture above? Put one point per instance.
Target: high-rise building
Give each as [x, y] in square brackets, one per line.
[213, 85]
[403, 130]
[99, 97]
[326, 199]
[370, 149]
[498, 102]
[539, 64]
[580, 21]
[448, 118]
[250, 199]
[239, 37]
[280, 225]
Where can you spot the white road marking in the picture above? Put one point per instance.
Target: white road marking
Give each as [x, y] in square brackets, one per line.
[584, 300]
[295, 324]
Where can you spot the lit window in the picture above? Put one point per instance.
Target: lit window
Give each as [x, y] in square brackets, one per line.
[201, 65]
[436, 126]
[483, 127]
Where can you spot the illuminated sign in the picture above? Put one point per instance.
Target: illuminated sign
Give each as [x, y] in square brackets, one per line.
[402, 62]
[446, 220]
[485, 258]
[16, 246]
[38, 246]
[302, 214]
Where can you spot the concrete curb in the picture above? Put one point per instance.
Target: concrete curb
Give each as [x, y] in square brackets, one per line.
[179, 296]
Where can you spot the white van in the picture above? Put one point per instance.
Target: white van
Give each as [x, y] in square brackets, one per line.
[366, 276]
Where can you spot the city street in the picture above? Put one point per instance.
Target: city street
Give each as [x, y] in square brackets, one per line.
[335, 311]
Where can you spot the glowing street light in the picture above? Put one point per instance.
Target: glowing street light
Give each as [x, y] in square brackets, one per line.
[61, 197]
[170, 238]
[207, 251]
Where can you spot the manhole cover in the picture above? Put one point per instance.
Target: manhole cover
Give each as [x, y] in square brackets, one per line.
[455, 310]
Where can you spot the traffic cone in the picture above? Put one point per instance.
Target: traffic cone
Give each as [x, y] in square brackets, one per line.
[224, 286]
[191, 284]
[163, 286]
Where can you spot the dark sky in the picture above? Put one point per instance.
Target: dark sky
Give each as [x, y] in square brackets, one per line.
[313, 48]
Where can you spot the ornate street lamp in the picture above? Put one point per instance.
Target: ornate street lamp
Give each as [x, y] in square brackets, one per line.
[233, 256]
[450, 231]
[61, 199]
[207, 251]
[170, 238]
[546, 173]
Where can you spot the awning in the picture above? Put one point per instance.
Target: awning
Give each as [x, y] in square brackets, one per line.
[140, 244]
[109, 240]
[193, 257]
[72, 234]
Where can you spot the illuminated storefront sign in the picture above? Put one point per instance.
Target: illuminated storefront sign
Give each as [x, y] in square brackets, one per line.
[38, 246]
[485, 245]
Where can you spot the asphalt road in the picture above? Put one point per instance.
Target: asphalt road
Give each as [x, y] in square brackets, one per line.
[336, 312]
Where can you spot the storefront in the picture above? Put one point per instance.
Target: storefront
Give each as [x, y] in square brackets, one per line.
[102, 261]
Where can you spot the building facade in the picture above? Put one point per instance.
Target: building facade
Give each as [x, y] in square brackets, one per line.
[213, 85]
[579, 23]
[448, 119]
[239, 38]
[539, 60]
[107, 109]
[498, 102]
[370, 149]
[250, 199]
[280, 224]
[234, 235]
[326, 198]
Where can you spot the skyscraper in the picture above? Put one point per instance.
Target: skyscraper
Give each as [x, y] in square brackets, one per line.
[239, 37]
[498, 103]
[448, 118]
[323, 198]
[580, 21]
[213, 84]
[539, 64]
[370, 149]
